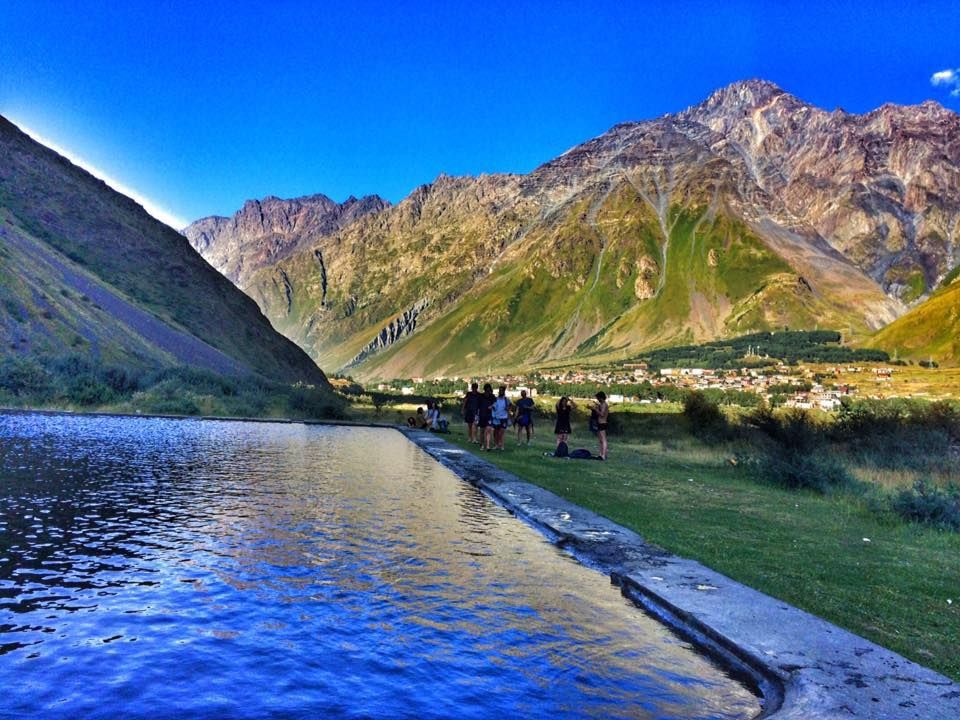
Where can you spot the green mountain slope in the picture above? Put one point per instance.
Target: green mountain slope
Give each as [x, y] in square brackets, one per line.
[85, 271]
[714, 222]
[929, 330]
[600, 280]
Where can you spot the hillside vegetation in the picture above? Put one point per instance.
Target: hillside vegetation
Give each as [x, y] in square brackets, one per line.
[87, 276]
[738, 215]
[931, 330]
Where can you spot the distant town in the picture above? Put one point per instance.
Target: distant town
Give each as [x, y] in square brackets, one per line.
[805, 387]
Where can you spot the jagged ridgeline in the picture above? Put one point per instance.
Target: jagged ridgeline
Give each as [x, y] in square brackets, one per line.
[752, 211]
[89, 280]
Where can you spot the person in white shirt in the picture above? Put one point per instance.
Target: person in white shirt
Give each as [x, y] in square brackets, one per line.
[501, 417]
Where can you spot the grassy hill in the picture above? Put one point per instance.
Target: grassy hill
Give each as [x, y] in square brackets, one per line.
[88, 277]
[929, 330]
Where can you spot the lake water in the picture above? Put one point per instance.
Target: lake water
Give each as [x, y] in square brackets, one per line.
[174, 568]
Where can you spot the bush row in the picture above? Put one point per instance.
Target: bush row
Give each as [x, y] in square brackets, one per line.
[74, 381]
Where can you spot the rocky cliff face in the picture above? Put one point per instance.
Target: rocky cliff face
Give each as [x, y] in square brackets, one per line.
[883, 188]
[265, 231]
[750, 211]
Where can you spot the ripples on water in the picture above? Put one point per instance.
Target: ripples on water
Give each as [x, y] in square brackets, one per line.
[161, 568]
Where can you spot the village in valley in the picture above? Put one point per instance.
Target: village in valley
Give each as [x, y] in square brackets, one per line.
[807, 387]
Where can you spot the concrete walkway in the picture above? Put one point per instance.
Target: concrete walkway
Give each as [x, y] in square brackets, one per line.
[804, 667]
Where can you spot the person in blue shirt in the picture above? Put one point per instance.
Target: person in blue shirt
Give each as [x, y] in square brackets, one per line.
[524, 416]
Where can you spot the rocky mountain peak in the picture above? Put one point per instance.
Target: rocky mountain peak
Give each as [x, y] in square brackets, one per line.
[267, 230]
[741, 98]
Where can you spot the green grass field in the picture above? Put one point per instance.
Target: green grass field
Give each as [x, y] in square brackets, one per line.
[884, 579]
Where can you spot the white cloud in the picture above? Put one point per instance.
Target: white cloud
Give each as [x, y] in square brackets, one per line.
[949, 78]
[159, 212]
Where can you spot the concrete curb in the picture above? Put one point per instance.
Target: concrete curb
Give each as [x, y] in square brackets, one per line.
[802, 666]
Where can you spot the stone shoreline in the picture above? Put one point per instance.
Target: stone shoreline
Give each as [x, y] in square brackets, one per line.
[802, 666]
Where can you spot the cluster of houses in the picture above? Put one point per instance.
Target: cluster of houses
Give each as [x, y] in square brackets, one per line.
[796, 387]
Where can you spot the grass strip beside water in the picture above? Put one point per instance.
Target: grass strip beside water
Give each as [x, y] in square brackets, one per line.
[831, 555]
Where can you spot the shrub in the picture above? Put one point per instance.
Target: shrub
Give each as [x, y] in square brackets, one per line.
[899, 433]
[121, 380]
[313, 403]
[20, 377]
[930, 505]
[821, 472]
[796, 455]
[705, 417]
[87, 390]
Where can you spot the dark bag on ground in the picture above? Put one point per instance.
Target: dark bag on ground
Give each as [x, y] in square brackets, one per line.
[580, 454]
[562, 450]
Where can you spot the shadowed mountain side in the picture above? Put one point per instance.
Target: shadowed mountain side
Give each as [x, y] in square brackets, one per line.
[85, 270]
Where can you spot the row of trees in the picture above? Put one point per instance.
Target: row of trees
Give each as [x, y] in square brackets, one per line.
[790, 346]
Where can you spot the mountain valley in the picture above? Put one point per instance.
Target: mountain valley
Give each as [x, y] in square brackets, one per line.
[750, 211]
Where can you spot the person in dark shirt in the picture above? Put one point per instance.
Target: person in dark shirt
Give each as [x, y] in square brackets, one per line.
[524, 421]
[602, 410]
[485, 415]
[471, 406]
[562, 429]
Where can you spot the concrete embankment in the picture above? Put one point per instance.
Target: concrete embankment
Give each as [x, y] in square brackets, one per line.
[803, 666]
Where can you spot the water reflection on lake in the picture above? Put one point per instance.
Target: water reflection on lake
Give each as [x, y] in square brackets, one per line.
[160, 568]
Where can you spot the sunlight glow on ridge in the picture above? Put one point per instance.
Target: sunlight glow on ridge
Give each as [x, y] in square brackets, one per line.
[160, 213]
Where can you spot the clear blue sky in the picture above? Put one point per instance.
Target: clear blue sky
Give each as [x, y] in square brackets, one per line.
[199, 106]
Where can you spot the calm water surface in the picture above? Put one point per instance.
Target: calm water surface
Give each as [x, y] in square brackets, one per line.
[165, 568]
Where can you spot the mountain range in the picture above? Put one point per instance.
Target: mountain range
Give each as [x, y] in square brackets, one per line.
[750, 211]
[86, 273]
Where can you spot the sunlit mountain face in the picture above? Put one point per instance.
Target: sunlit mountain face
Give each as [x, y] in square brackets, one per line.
[750, 211]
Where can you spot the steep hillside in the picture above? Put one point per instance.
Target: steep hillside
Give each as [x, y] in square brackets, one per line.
[931, 330]
[750, 211]
[86, 272]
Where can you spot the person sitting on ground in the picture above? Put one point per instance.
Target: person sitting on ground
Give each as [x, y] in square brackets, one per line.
[435, 421]
[470, 408]
[524, 418]
[562, 428]
[418, 421]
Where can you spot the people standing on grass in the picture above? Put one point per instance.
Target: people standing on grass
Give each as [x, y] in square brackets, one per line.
[524, 416]
[501, 416]
[485, 415]
[562, 428]
[602, 411]
[471, 406]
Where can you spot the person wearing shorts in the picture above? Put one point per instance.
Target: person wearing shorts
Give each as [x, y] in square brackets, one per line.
[562, 428]
[524, 419]
[471, 406]
[603, 417]
[501, 417]
[485, 416]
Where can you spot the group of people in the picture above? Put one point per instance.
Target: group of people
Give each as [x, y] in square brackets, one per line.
[599, 421]
[432, 420]
[488, 416]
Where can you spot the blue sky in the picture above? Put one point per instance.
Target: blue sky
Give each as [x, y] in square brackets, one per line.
[196, 107]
